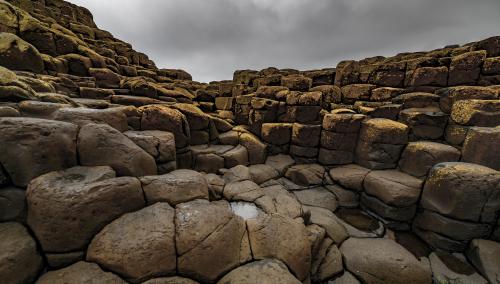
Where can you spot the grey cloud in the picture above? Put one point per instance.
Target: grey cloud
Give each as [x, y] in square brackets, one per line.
[212, 38]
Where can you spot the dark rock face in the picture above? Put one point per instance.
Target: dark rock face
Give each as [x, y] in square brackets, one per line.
[382, 170]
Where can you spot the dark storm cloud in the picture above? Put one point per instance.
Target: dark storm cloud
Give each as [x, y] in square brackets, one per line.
[212, 38]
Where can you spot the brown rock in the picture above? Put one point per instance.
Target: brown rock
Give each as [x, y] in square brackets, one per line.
[277, 133]
[17, 54]
[12, 204]
[215, 248]
[449, 96]
[383, 261]
[114, 117]
[485, 113]
[296, 82]
[80, 272]
[464, 191]
[148, 248]
[268, 271]
[306, 174]
[275, 236]
[350, 176]
[393, 187]
[66, 208]
[47, 146]
[419, 157]
[102, 145]
[465, 68]
[306, 135]
[478, 147]
[175, 187]
[155, 117]
[19, 258]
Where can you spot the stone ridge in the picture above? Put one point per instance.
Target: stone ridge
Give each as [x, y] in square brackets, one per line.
[112, 170]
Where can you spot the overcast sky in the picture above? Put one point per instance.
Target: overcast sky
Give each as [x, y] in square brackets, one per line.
[212, 38]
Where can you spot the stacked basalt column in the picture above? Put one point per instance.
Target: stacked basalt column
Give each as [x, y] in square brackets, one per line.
[422, 114]
[474, 106]
[380, 143]
[389, 194]
[225, 100]
[242, 92]
[460, 202]
[303, 109]
[339, 137]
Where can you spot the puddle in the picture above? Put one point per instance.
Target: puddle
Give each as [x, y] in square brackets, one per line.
[246, 210]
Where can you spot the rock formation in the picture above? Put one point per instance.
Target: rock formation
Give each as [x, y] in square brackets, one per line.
[383, 170]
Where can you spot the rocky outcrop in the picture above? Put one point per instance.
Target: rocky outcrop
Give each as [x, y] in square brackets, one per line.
[381, 170]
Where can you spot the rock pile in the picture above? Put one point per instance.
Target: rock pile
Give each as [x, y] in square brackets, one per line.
[383, 170]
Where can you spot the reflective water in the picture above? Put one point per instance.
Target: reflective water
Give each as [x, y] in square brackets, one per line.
[245, 210]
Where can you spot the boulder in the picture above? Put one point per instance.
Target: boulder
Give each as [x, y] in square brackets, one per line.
[430, 76]
[326, 219]
[385, 94]
[105, 78]
[380, 143]
[267, 271]
[114, 117]
[176, 187]
[306, 135]
[357, 92]
[262, 173]
[386, 131]
[17, 54]
[485, 256]
[276, 236]
[77, 64]
[236, 156]
[331, 264]
[6, 111]
[296, 82]
[12, 204]
[465, 68]
[450, 228]
[277, 199]
[451, 95]
[216, 247]
[20, 261]
[46, 146]
[393, 187]
[478, 145]
[196, 118]
[276, 133]
[280, 162]
[157, 117]
[148, 248]
[424, 123]
[419, 157]
[158, 144]
[306, 174]
[80, 272]
[67, 208]
[448, 268]
[246, 190]
[319, 197]
[383, 261]
[256, 149]
[350, 176]
[464, 191]
[417, 100]
[102, 145]
[476, 112]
